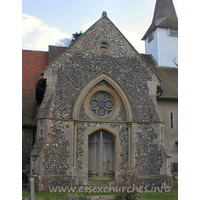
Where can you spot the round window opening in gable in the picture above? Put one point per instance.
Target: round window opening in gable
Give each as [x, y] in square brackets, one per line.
[103, 46]
[102, 104]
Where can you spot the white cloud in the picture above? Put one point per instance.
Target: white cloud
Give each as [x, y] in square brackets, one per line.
[30, 24]
[47, 35]
[85, 26]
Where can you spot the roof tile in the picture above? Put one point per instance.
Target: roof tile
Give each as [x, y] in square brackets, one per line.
[33, 63]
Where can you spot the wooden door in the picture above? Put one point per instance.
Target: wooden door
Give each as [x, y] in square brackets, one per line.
[101, 156]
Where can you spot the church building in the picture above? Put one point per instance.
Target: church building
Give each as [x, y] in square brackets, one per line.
[101, 107]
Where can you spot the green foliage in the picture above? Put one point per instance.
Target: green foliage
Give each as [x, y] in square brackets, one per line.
[47, 195]
[175, 184]
[75, 36]
[173, 195]
[127, 179]
[81, 195]
[121, 196]
[66, 42]
[126, 196]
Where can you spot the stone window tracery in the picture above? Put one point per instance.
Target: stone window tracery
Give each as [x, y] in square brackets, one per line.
[101, 104]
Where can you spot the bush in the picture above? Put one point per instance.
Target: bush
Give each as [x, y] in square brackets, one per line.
[81, 196]
[128, 179]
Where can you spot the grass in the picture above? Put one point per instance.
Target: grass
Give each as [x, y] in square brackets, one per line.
[47, 195]
[160, 196]
[172, 195]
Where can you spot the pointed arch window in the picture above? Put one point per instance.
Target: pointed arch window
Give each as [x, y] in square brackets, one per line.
[112, 87]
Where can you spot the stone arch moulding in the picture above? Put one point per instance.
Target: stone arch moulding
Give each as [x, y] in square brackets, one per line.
[105, 127]
[90, 130]
[84, 91]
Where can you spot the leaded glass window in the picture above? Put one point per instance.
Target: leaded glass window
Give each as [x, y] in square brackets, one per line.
[101, 104]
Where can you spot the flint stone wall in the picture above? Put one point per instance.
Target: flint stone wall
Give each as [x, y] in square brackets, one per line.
[148, 155]
[82, 62]
[56, 153]
[123, 136]
[72, 71]
[72, 77]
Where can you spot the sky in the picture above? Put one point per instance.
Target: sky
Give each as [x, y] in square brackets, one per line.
[45, 22]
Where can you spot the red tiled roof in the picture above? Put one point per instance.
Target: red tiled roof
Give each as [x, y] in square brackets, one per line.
[33, 63]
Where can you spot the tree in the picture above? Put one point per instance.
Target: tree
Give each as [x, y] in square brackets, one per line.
[66, 42]
[75, 36]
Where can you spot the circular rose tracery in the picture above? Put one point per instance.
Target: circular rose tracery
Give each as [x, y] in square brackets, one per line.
[101, 104]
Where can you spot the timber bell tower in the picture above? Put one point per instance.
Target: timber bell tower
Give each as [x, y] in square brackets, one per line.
[161, 39]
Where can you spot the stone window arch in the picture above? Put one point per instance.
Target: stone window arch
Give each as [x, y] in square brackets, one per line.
[102, 103]
[116, 92]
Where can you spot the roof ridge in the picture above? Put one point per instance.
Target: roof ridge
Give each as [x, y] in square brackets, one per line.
[164, 9]
[160, 20]
[58, 46]
[104, 17]
[73, 44]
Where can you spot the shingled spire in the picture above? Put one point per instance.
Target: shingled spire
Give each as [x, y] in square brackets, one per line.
[164, 16]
